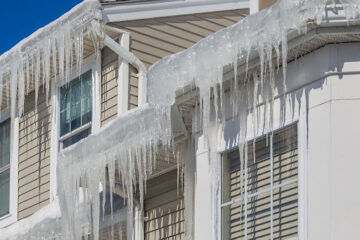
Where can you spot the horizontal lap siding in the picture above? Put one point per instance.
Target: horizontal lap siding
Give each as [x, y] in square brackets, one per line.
[109, 86]
[164, 209]
[266, 3]
[133, 88]
[153, 39]
[34, 156]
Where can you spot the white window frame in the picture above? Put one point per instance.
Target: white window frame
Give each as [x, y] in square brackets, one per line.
[11, 217]
[93, 63]
[301, 179]
[88, 66]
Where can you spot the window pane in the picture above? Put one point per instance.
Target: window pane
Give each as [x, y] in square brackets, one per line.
[64, 111]
[4, 192]
[86, 101]
[258, 214]
[75, 103]
[75, 108]
[74, 139]
[285, 211]
[5, 143]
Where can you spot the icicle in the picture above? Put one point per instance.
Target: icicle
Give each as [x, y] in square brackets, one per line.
[13, 90]
[37, 76]
[61, 56]
[28, 80]
[254, 115]
[284, 50]
[271, 188]
[54, 54]
[21, 87]
[244, 182]
[8, 90]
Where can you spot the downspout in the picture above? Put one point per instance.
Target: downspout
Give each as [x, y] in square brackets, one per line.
[128, 57]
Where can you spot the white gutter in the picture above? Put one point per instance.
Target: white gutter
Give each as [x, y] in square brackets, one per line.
[130, 58]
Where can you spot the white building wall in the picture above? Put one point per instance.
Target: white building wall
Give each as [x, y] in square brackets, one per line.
[326, 84]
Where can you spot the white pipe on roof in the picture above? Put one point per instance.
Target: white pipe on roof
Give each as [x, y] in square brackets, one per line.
[130, 58]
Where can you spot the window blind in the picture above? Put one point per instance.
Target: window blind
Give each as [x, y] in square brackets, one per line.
[270, 210]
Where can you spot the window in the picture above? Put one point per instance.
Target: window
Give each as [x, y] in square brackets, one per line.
[4, 168]
[263, 203]
[75, 110]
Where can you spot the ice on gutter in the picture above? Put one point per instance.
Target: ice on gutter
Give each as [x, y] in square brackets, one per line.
[32, 62]
[264, 33]
[126, 147]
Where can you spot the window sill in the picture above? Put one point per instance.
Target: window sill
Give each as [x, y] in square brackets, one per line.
[5, 216]
[7, 220]
[76, 131]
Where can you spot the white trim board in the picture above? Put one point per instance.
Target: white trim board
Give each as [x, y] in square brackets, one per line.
[123, 77]
[166, 8]
[90, 63]
[14, 148]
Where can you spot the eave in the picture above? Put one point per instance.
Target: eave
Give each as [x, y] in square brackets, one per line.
[135, 10]
[334, 29]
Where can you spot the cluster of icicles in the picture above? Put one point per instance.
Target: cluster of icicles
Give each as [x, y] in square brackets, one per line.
[126, 148]
[119, 157]
[54, 52]
[253, 50]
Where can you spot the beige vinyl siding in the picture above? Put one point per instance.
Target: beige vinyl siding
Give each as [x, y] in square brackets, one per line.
[34, 155]
[109, 88]
[115, 232]
[164, 209]
[285, 213]
[133, 88]
[153, 39]
[266, 3]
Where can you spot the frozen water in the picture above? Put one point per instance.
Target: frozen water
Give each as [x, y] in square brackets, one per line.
[125, 148]
[33, 60]
[126, 145]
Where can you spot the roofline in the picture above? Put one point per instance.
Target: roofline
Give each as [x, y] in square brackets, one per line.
[137, 10]
[77, 11]
[333, 24]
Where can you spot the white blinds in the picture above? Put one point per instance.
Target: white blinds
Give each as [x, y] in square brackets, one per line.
[269, 209]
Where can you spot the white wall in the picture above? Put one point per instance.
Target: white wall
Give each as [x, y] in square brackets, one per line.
[330, 206]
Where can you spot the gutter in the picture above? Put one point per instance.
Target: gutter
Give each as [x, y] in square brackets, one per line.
[128, 57]
[333, 24]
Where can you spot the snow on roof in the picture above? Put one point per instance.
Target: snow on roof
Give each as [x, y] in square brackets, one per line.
[264, 33]
[125, 143]
[82, 12]
[50, 51]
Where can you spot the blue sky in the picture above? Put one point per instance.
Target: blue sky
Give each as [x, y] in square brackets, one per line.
[19, 19]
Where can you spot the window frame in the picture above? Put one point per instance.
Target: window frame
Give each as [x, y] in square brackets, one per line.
[90, 125]
[11, 217]
[301, 180]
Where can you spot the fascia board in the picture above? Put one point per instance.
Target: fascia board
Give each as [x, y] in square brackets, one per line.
[166, 8]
